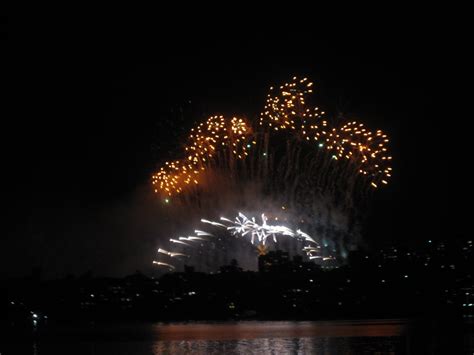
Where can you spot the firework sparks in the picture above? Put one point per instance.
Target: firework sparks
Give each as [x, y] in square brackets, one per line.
[244, 226]
[320, 170]
[286, 111]
[159, 263]
[179, 242]
[202, 233]
[213, 223]
[256, 233]
[204, 143]
[170, 254]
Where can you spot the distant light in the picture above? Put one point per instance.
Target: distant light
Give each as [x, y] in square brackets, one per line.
[264, 154]
[429, 241]
[248, 145]
[35, 315]
[321, 145]
[406, 276]
[167, 200]
[310, 280]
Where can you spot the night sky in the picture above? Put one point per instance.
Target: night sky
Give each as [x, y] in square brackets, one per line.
[95, 103]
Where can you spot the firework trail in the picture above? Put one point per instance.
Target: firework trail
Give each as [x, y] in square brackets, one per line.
[216, 139]
[250, 230]
[319, 171]
[259, 232]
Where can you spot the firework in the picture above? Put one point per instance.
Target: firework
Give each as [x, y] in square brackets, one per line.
[219, 141]
[215, 139]
[319, 170]
[159, 263]
[170, 254]
[248, 229]
[287, 112]
[243, 226]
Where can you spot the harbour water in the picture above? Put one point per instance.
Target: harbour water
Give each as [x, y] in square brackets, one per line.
[394, 336]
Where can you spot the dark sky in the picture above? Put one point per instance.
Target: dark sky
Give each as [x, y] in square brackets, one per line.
[93, 101]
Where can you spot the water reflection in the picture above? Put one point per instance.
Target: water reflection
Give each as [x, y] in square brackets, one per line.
[280, 346]
[249, 330]
[282, 338]
[331, 337]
